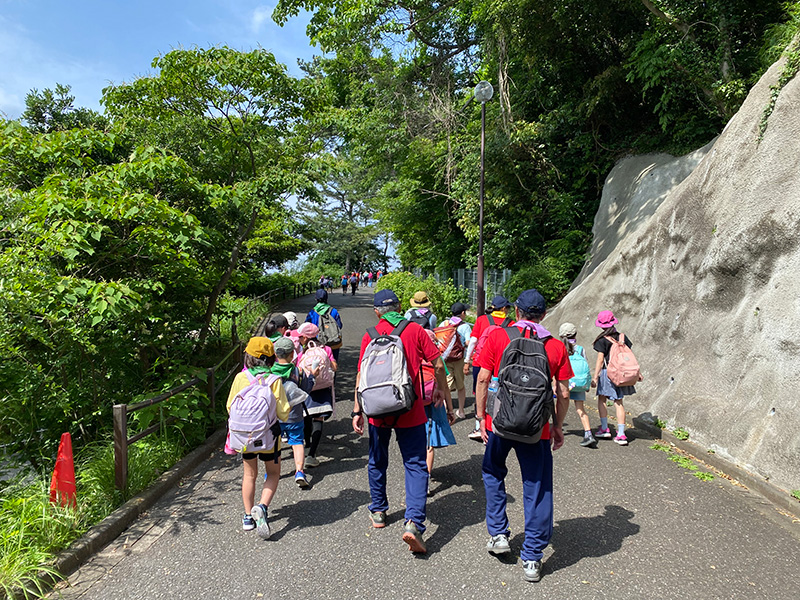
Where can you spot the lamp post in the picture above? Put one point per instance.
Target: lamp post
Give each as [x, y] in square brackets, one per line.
[483, 93]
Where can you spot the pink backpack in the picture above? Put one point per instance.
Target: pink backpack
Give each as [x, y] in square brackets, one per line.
[623, 368]
[507, 322]
[314, 355]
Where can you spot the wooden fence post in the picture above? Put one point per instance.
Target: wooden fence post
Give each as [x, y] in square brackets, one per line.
[234, 333]
[210, 385]
[121, 446]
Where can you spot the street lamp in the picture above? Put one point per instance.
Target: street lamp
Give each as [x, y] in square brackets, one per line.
[483, 93]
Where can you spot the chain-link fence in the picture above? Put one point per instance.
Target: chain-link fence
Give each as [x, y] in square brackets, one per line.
[493, 281]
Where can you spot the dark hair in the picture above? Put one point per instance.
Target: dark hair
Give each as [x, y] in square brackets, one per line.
[279, 320]
[251, 362]
[531, 316]
[570, 346]
[605, 332]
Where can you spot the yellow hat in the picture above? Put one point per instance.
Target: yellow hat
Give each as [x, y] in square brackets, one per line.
[260, 346]
[420, 300]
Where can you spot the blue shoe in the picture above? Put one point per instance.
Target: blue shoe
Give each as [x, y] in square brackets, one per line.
[262, 526]
[300, 480]
[248, 523]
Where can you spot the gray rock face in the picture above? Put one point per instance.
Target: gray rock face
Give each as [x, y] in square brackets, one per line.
[699, 258]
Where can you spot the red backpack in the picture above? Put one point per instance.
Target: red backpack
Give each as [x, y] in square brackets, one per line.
[449, 342]
[622, 368]
[507, 322]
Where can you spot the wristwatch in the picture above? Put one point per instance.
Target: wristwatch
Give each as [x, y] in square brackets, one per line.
[355, 414]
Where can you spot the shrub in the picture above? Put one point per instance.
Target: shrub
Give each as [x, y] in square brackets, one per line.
[548, 275]
[441, 294]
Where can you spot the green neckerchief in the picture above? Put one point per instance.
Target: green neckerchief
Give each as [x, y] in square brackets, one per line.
[256, 371]
[282, 370]
[393, 317]
[275, 336]
[321, 307]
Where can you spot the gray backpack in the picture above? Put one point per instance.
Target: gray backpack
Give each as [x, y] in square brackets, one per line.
[385, 387]
[524, 400]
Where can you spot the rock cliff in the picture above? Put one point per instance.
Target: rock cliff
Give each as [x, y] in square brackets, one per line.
[699, 258]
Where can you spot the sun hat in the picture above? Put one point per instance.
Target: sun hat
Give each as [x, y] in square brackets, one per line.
[284, 346]
[531, 301]
[260, 346]
[308, 330]
[385, 298]
[322, 295]
[420, 300]
[499, 302]
[458, 308]
[567, 330]
[291, 318]
[606, 319]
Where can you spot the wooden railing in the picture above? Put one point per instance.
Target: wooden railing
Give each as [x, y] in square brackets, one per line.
[230, 365]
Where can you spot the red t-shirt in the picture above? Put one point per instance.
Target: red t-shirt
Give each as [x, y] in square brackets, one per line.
[557, 357]
[418, 348]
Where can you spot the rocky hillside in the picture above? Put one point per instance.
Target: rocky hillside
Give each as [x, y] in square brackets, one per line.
[699, 257]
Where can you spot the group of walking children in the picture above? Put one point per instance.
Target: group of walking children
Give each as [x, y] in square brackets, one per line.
[615, 373]
[283, 396]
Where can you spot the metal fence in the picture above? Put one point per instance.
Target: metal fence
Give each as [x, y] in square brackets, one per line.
[493, 281]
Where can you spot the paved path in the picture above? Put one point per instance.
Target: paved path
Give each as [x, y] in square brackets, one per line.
[629, 523]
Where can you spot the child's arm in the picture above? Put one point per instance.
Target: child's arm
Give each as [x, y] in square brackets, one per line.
[598, 366]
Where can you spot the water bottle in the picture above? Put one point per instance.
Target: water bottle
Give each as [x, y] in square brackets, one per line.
[494, 386]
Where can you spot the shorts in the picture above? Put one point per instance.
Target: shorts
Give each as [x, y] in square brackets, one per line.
[455, 377]
[262, 456]
[294, 433]
[578, 396]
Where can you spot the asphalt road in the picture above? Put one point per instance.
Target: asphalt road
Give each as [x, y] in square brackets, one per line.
[629, 523]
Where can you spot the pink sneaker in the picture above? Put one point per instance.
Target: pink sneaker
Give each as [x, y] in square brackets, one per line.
[603, 433]
[621, 440]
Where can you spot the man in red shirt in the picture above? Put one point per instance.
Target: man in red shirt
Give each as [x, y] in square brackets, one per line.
[409, 427]
[535, 460]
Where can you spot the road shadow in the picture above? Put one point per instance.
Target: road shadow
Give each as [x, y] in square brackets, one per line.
[583, 537]
[318, 512]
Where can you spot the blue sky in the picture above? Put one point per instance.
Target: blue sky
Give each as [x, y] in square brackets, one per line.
[89, 44]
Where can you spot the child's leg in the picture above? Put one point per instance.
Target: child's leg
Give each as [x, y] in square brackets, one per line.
[429, 460]
[620, 417]
[270, 480]
[601, 408]
[462, 400]
[249, 483]
[316, 435]
[582, 416]
[299, 454]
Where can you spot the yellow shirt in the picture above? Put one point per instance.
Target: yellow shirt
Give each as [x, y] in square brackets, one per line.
[281, 401]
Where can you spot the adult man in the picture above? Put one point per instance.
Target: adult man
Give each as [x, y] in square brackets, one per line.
[318, 314]
[420, 311]
[455, 367]
[497, 314]
[409, 427]
[535, 459]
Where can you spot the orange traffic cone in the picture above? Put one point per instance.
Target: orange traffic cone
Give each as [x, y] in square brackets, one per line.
[62, 486]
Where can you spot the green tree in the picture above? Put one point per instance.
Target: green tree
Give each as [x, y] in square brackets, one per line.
[54, 110]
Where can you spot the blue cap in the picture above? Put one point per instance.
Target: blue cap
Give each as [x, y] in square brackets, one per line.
[385, 298]
[322, 295]
[531, 301]
[499, 302]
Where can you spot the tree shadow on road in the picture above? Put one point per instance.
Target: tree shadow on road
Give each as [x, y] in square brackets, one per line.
[318, 512]
[582, 537]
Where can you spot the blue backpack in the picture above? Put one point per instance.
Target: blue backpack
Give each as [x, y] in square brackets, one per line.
[581, 381]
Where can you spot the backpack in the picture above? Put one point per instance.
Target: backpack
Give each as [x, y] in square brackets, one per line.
[420, 319]
[622, 367]
[385, 387]
[582, 378]
[485, 334]
[330, 334]
[316, 354]
[253, 420]
[524, 401]
[449, 342]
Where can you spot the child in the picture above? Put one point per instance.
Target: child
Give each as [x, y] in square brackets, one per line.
[320, 401]
[259, 356]
[440, 418]
[577, 357]
[605, 389]
[293, 426]
[344, 284]
[455, 367]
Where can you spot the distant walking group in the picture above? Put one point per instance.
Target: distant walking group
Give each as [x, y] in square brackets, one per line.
[409, 365]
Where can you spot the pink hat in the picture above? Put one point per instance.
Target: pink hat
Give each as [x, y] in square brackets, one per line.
[308, 330]
[606, 319]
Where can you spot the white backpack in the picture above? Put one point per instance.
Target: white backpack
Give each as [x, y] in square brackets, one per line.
[253, 421]
[385, 387]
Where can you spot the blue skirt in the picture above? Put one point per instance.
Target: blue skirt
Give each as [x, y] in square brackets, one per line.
[611, 391]
[438, 427]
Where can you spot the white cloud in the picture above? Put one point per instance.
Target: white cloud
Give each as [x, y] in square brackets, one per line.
[260, 15]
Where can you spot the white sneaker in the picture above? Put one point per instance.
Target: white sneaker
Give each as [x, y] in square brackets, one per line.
[311, 462]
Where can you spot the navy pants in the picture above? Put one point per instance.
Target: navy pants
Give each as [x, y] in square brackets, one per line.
[413, 448]
[536, 464]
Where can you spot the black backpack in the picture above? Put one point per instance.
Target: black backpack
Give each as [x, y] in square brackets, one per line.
[422, 320]
[524, 401]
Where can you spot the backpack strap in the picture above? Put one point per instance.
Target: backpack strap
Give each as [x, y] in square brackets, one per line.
[401, 326]
[373, 333]
[490, 318]
[507, 322]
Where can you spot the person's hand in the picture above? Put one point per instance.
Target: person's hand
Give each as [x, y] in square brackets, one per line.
[358, 424]
[466, 368]
[641, 377]
[484, 433]
[451, 417]
[438, 397]
[594, 383]
[557, 437]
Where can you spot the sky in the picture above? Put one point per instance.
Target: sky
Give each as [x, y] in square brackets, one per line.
[89, 44]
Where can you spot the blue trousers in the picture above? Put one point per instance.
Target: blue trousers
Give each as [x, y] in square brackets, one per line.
[536, 465]
[413, 448]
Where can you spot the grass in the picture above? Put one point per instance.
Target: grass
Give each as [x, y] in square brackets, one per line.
[703, 476]
[663, 447]
[660, 424]
[681, 433]
[683, 461]
[796, 494]
[32, 530]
